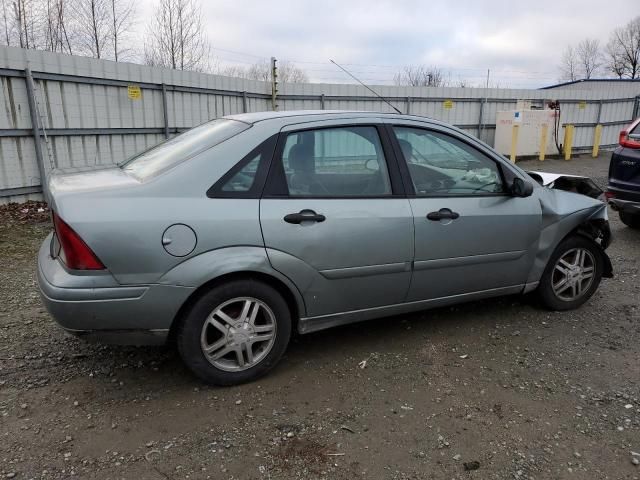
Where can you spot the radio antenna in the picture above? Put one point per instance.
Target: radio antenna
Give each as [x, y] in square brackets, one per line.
[365, 86]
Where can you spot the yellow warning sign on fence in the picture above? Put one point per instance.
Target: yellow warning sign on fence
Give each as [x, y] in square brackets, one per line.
[582, 105]
[134, 92]
[447, 104]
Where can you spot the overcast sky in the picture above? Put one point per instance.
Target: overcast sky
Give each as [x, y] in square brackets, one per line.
[520, 42]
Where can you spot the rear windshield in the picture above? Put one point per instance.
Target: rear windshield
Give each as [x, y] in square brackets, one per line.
[181, 147]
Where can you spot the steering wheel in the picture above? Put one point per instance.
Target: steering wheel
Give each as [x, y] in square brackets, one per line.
[485, 185]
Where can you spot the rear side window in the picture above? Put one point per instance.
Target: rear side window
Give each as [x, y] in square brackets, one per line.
[333, 162]
[247, 177]
[182, 147]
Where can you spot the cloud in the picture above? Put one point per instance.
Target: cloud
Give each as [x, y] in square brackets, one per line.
[520, 42]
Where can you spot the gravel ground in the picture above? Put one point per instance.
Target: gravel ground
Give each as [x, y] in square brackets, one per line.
[487, 390]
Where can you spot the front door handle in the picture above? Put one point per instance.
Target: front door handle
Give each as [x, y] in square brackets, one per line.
[304, 216]
[443, 214]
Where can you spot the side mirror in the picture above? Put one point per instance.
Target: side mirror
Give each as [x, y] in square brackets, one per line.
[521, 188]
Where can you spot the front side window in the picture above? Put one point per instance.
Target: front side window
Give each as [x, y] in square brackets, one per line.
[443, 165]
[335, 162]
[182, 147]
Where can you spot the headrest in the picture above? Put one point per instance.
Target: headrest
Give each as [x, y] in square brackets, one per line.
[301, 158]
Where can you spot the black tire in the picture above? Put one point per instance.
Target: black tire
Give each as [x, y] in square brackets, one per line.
[545, 288]
[188, 332]
[630, 220]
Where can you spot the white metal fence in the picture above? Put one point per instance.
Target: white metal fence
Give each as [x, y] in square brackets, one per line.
[81, 112]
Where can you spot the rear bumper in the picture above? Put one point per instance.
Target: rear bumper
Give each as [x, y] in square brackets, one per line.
[94, 306]
[628, 206]
[624, 199]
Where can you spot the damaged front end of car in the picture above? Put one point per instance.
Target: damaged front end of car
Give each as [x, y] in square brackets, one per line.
[570, 205]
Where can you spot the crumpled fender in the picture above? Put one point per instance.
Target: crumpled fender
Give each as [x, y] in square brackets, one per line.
[562, 213]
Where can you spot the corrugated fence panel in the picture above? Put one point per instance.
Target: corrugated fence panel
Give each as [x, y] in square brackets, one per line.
[84, 103]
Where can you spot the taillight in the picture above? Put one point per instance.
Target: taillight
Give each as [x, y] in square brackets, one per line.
[624, 139]
[609, 195]
[77, 255]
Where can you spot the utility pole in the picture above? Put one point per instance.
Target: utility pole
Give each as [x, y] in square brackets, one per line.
[274, 84]
[488, 77]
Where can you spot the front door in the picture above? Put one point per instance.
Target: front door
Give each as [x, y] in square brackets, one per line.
[335, 220]
[471, 235]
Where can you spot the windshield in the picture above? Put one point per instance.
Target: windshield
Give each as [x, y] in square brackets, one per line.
[181, 147]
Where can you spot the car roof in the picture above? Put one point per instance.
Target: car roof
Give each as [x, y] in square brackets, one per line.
[308, 115]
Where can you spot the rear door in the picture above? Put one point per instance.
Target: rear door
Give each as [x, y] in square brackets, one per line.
[471, 235]
[335, 219]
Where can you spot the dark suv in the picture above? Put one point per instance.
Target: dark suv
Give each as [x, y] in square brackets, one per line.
[624, 176]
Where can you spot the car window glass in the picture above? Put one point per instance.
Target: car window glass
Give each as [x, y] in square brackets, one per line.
[244, 179]
[443, 165]
[182, 147]
[345, 161]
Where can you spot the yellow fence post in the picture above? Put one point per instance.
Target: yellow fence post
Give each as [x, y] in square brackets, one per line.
[568, 141]
[597, 135]
[543, 141]
[514, 142]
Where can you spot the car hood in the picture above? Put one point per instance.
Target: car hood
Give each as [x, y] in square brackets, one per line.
[570, 183]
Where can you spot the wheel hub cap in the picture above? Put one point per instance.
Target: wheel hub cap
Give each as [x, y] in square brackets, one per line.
[238, 334]
[573, 274]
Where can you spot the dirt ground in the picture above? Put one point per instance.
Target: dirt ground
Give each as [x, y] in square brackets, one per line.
[498, 389]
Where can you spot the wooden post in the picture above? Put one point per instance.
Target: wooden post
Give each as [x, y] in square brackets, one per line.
[514, 142]
[543, 141]
[568, 141]
[597, 135]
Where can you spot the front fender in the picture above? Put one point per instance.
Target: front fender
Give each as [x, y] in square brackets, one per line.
[562, 214]
[198, 270]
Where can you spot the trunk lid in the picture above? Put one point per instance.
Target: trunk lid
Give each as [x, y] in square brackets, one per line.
[67, 181]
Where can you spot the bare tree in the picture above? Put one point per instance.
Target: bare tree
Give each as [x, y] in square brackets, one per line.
[176, 37]
[57, 31]
[623, 50]
[231, 71]
[420, 76]
[291, 73]
[589, 57]
[122, 19]
[614, 59]
[6, 22]
[569, 64]
[93, 22]
[287, 72]
[27, 23]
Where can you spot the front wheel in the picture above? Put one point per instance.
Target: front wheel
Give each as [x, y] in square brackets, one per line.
[630, 219]
[572, 275]
[235, 332]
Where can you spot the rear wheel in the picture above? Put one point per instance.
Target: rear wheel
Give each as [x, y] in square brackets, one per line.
[235, 333]
[630, 219]
[572, 275]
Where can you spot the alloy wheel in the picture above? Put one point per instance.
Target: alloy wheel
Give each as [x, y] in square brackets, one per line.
[238, 334]
[573, 274]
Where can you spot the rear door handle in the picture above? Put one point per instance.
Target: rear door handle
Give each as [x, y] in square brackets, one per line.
[443, 214]
[304, 216]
